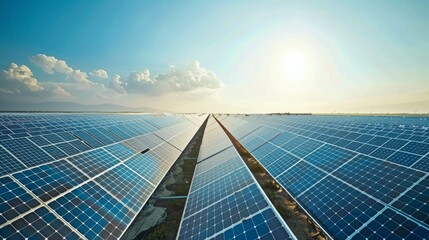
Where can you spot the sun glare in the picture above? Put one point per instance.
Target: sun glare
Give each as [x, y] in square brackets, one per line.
[294, 66]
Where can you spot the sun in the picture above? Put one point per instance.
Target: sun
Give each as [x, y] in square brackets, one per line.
[293, 65]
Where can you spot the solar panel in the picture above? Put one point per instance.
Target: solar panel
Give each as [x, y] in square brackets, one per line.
[225, 199]
[75, 177]
[358, 177]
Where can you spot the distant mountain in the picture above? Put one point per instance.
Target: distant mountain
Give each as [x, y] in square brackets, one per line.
[71, 107]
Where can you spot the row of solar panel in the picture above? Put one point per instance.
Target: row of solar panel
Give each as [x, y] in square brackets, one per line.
[225, 201]
[44, 124]
[94, 194]
[352, 194]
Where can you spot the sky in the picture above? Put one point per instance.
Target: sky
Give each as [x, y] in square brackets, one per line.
[218, 56]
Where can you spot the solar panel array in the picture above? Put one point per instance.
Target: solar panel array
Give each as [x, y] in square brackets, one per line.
[357, 176]
[83, 176]
[225, 201]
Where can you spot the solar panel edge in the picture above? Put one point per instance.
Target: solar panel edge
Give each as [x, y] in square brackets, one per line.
[41, 205]
[408, 189]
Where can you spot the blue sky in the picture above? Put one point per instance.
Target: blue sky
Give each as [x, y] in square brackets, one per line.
[220, 56]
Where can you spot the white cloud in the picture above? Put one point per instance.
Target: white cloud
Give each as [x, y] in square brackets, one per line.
[117, 85]
[61, 92]
[18, 79]
[100, 73]
[194, 77]
[50, 64]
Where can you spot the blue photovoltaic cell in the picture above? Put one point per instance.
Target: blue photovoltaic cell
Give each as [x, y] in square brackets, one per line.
[93, 212]
[415, 202]
[68, 148]
[253, 143]
[395, 144]
[422, 164]
[39, 140]
[403, 158]
[366, 149]
[283, 163]
[149, 166]
[90, 140]
[8, 164]
[81, 146]
[263, 150]
[300, 177]
[53, 138]
[13, 200]
[222, 214]
[417, 148]
[109, 134]
[329, 157]
[50, 180]
[392, 225]
[94, 162]
[40, 224]
[382, 153]
[339, 208]
[263, 225]
[382, 180]
[26, 151]
[305, 148]
[55, 152]
[217, 172]
[67, 136]
[217, 189]
[127, 186]
[272, 156]
[120, 150]
[100, 137]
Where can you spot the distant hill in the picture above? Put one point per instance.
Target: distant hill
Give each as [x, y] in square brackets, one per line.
[71, 107]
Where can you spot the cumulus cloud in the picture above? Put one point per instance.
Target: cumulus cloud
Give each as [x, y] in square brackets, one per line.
[50, 64]
[117, 85]
[19, 79]
[100, 73]
[58, 91]
[193, 77]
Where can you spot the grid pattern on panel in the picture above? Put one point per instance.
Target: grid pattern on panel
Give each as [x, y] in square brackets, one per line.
[53, 138]
[26, 151]
[90, 140]
[94, 162]
[149, 166]
[423, 164]
[382, 180]
[306, 148]
[13, 200]
[54, 151]
[93, 212]
[252, 143]
[263, 225]
[218, 189]
[416, 148]
[223, 214]
[40, 224]
[329, 157]
[81, 146]
[8, 164]
[281, 164]
[217, 172]
[48, 181]
[341, 209]
[404, 158]
[214, 160]
[127, 186]
[272, 156]
[68, 148]
[264, 150]
[120, 151]
[300, 177]
[392, 225]
[39, 140]
[100, 136]
[415, 201]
